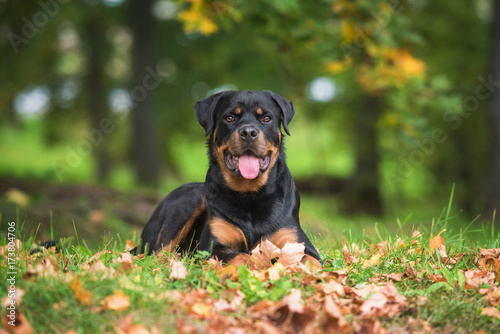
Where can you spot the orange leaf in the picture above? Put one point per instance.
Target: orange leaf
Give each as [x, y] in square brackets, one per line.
[21, 324]
[118, 301]
[129, 245]
[83, 296]
[436, 242]
[275, 271]
[347, 256]
[491, 312]
[373, 261]
[335, 319]
[201, 309]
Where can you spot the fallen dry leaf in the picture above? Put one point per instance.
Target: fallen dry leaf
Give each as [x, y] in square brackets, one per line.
[104, 272]
[410, 271]
[83, 296]
[348, 256]
[178, 271]
[372, 261]
[435, 243]
[390, 291]
[393, 276]
[47, 267]
[364, 291]
[475, 278]
[491, 253]
[491, 312]
[186, 327]
[414, 236]
[98, 255]
[236, 297]
[202, 310]
[294, 301]
[264, 253]
[291, 254]
[126, 326]
[338, 275]
[385, 302]
[334, 320]
[332, 287]
[129, 245]
[118, 301]
[369, 326]
[444, 257]
[374, 303]
[489, 263]
[125, 260]
[21, 324]
[399, 243]
[291, 315]
[275, 271]
[492, 296]
[17, 298]
[436, 278]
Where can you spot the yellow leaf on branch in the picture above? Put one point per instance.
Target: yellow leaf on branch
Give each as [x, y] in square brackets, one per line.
[348, 31]
[390, 68]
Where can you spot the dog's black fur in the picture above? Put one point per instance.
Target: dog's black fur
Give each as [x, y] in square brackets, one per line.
[228, 214]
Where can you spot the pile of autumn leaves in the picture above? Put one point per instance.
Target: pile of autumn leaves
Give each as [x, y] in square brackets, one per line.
[323, 303]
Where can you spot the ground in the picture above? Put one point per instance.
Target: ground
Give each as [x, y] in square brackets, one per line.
[409, 279]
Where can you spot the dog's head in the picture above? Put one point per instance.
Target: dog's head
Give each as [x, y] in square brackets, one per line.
[245, 134]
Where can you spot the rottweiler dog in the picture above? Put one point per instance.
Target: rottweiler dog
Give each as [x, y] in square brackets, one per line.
[249, 194]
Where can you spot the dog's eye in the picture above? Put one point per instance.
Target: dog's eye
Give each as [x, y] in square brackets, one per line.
[230, 118]
[266, 119]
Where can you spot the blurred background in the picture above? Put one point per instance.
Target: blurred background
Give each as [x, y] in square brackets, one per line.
[397, 103]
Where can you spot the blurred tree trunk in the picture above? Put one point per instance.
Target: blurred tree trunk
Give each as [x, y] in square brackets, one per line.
[492, 182]
[363, 192]
[144, 144]
[96, 93]
[8, 114]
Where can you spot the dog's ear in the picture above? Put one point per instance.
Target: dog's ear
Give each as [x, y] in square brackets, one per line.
[286, 107]
[205, 111]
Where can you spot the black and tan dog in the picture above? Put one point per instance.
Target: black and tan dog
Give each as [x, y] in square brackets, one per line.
[249, 194]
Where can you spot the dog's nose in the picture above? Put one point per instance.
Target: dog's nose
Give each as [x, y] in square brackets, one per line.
[249, 133]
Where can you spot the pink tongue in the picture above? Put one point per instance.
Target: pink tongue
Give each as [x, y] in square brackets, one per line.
[249, 166]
